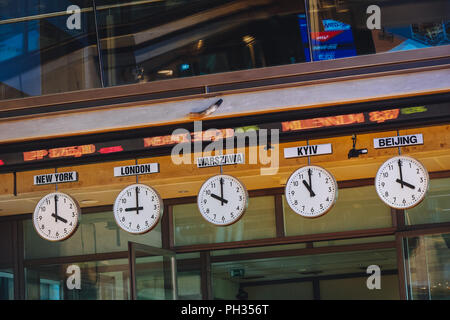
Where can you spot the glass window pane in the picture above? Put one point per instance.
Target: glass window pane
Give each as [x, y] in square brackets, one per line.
[355, 209]
[98, 280]
[356, 289]
[97, 233]
[171, 39]
[435, 207]
[273, 277]
[189, 276]
[16, 9]
[6, 243]
[189, 285]
[257, 222]
[341, 28]
[427, 260]
[41, 54]
[6, 284]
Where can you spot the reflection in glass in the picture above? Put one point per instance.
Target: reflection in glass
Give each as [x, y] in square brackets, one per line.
[39, 54]
[340, 275]
[339, 29]
[169, 39]
[427, 260]
[100, 280]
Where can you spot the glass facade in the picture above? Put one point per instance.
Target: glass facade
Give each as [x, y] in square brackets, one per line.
[299, 270]
[58, 46]
[339, 275]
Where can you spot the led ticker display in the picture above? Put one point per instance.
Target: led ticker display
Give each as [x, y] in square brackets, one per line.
[353, 119]
[73, 151]
[209, 135]
[110, 149]
[287, 129]
[314, 123]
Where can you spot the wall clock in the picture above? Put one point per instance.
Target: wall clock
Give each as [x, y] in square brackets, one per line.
[222, 200]
[311, 191]
[402, 182]
[138, 208]
[56, 216]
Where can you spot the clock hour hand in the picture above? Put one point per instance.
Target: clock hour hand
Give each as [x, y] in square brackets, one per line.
[59, 218]
[219, 198]
[405, 183]
[134, 209]
[311, 193]
[137, 201]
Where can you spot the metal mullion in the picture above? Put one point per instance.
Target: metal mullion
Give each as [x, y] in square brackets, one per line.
[401, 267]
[279, 216]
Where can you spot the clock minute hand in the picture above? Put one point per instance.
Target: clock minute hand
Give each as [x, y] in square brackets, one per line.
[310, 183]
[221, 190]
[137, 201]
[56, 209]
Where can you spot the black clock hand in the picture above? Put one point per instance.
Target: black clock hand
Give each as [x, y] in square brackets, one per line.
[405, 183]
[59, 218]
[134, 209]
[219, 198]
[310, 184]
[137, 201]
[311, 193]
[221, 190]
[56, 209]
[401, 175]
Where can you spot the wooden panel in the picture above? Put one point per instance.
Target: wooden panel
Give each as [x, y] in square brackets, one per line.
[6, 185]
[97, 185]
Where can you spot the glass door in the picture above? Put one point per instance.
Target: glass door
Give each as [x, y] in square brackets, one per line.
[152, 273]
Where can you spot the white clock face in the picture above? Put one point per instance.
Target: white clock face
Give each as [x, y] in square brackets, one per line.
[138, 208]
[56, 216]
[222, 200]
[402, 182]
[311, 191]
